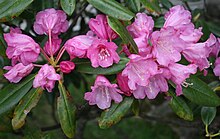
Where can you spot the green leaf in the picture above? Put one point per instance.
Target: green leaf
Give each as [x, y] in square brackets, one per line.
[180, 107]
[159, 22]
[114, 114]
[200, 93]
[68, 6]
[12, 93]
[152, 6]
[84, 66]
[66, 111]
[10, 9]
[214, 28]
[28, 102]
[112, 8]
[117, 26]
[2, 44]
[134, 5]
[166, 3]
[208, 114]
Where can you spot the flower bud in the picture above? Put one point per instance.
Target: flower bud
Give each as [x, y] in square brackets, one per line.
[66, 66]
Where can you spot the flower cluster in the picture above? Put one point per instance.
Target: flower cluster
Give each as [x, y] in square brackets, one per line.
[145, 75]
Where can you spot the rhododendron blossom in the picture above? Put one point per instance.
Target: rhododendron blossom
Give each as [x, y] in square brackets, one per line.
[179, 73]
[46, 78]
[103, 92]
[17, 72]
[142, 26]
[78, 46]
[139, 70]
[54, 47]
[100, 27]
[66, 66]
[217, 67]
[103, 53]
[21, 48]
[50, 21]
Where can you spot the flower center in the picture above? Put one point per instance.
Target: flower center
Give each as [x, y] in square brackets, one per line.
[103, 53]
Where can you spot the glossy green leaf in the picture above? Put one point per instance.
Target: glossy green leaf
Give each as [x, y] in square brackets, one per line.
[208, 114]
[152, 6]
[214, 28]
[114, 114]
[112, 8]
[166, 3]
[12, 93]
[10, 9]
[66, 111]
[200, 93]
[159, 22]
[28, 102]
[134, 5]
[68, 6]
[84, 66]
[117, 26]
[2, 44]
[180, 107]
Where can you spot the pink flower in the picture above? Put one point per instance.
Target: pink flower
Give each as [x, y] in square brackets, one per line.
[143, 47]
[46, 78]
[123, 84]
[103, 92]
[78, 46]
[166, 46]
[177, 17]
[100, 27]
[21, 48]
[217, 67]
[66, 66]
[17, 72]
[179, 73]
[215, 47]
[50, 20]
[55, 46]
[143, 25]
[180, 19]
[156, 84]
[103, 53]
[139, 70]
[197, 53]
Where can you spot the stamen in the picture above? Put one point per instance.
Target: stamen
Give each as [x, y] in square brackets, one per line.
[103, 54]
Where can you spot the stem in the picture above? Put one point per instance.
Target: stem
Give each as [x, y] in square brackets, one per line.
[62, 50]
[214, 135]
[37, 65]
[187, 6]
[207, 131]
[45, 55]
[50, 44]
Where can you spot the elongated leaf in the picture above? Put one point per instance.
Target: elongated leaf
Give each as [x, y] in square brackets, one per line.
[66, 111]
[135, 5]
[114, 114]
[180, 107]
[112, 8]
[84, 66]
[68, 6]
[2, 44]
[200, 93]
[12, 93]
[159, 22]
[28, 102]
[117, 26]
[10, 9]
[152, 6]
[208, 114]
